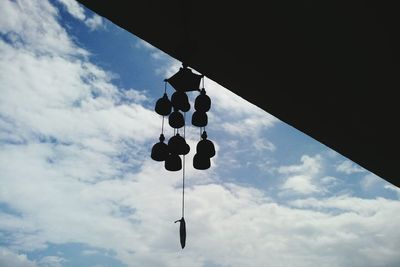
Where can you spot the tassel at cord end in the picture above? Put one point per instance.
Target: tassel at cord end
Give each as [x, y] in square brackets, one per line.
[182, 232]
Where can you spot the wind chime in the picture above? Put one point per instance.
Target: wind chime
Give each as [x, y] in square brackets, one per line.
[183, 81]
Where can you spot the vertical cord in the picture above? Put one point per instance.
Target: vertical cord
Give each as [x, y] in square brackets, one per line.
[163, 117]
[162, 125]
[183, 171]
[183, 187]
[204, 128]
[184, 118]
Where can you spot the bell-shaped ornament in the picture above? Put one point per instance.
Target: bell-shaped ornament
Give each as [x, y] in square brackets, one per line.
[202, 102]
[176, 119]
[199, 119]
[159, 152]
[180, 101]
[177, 145]
[173, 163]
[206, 147]
[201, 162]
[163, 106]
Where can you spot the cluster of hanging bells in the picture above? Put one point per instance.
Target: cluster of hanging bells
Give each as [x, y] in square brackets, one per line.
[183, 81]
[175, 109]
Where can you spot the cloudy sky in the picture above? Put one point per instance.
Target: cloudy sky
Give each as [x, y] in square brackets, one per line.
[78, 187]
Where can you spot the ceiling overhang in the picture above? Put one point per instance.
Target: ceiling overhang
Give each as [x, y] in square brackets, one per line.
[331, 70]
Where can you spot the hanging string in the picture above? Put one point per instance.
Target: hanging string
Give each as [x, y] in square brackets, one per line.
[162, 125]
[184, 131]
[183, 170]
[183, 187]
[204, 128]
[163, 117]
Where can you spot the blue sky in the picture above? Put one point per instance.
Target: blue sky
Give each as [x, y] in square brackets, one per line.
[78, 187]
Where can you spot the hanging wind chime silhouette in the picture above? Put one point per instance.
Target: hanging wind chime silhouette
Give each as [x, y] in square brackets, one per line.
[183, 81]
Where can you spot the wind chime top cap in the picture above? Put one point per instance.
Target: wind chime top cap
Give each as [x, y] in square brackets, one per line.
[185, 80]
[162, 138]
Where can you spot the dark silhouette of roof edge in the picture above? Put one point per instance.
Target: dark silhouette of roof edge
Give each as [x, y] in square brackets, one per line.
[331, 70]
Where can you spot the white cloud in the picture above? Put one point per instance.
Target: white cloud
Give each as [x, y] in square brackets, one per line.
[95, 22]
[52, 261]
[89, 252]
[64, 125]
[167, 66]
[136, 96]
[309, 165]
[34, 25]
[393, 188]
[67, 99]
[300, 184]
[348, 167]
[369, 181]
[328, 180]
[77, 11]
[235, 115]
[74, 8]
[304, 178]
[261, 144]
[9, 258]
[244, 228]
